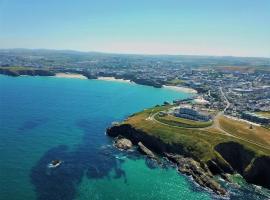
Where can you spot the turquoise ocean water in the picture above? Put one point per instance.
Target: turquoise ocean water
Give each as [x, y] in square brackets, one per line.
[46, 118]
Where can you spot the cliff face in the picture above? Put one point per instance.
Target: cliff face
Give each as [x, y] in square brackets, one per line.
[147, 82]
[254, 169]
[30, 72]
[237, 158]
[259, 172]
[153, 143]
[236, 155]
[8, 72]
[36, 72]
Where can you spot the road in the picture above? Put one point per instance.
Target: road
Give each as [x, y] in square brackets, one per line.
[215, 125]
[226, 99]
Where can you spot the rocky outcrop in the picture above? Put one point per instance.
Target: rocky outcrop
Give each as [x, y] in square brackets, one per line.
[146, 151]
[218, 167]
[141, 81]
[88, 75]
[123, 143]
[149, 82]
[149, 144]
[199, 173]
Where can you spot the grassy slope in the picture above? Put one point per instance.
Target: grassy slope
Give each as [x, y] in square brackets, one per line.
[242, 129]
[265, 114]
[200, 143]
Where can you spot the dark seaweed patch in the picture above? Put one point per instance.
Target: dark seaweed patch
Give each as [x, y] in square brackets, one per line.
[31, 124]
[88, 158]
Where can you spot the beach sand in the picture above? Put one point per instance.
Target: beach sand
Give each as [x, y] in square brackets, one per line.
[69, 75]
[180, 89]
[113, 79]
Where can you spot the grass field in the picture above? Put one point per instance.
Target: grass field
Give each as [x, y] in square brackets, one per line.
[242, 129]
[174, 82]
[199, 143]
[181, 122]
[265, 114]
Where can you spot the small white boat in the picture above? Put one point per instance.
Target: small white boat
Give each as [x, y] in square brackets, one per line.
[54, 163]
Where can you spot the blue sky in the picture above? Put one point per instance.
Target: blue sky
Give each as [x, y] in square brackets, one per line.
[201, 27]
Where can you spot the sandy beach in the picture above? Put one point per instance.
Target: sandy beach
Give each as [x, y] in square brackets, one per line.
[113, 79]
[69, 75]
[180, 89]
[201, 100]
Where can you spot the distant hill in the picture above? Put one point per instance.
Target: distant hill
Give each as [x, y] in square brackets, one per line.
[52, 58]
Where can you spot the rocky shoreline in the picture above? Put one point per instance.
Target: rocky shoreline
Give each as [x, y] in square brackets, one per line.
[200, 173]
[256, 169]
[188, 166]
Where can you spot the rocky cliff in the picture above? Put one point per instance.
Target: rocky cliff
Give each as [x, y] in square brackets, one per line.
[187, 165]
[30, 72]
[234, 157]
[255, 169]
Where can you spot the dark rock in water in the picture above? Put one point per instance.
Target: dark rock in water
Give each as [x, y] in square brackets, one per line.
[123, 143]
[200, 174]
[56, 162]
[146, 151]
[226, 177]
[166, 103]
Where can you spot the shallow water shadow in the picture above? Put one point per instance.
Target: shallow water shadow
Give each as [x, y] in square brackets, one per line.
[87, 159]
[31, 124]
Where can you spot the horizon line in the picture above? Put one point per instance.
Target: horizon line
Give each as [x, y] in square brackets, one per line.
[138, 54]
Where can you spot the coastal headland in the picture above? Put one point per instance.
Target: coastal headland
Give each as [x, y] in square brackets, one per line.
[202, 149]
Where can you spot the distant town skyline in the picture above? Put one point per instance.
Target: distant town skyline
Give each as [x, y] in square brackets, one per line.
[176, 27]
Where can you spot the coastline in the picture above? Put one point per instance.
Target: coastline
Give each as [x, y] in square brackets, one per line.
[111, 78]
[70, 75]
[180, 89]
[106, 78]
[188, 162]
